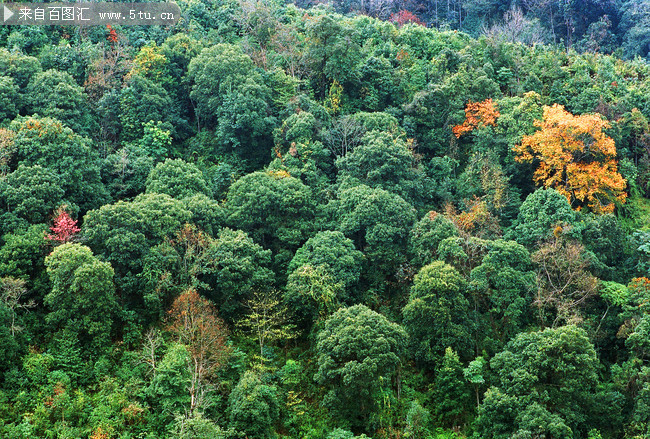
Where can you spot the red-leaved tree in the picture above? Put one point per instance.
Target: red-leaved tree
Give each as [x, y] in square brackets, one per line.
[64, 228]
[404, 17]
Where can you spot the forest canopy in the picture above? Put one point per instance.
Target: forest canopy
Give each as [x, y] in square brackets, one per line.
[376, 219]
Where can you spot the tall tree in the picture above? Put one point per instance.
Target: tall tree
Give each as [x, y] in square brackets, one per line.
[267, 319]
[82, 300]
[351, 362]
[576, 157]
[437, 314]
[193, 320]
[546, 386]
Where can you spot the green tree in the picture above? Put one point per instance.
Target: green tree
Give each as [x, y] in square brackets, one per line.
[12, 301]
[215, 70]
[451, 395]
[437, 313]
[22, 257]
[540, 212]
[357, 350]
[48, 143]
[8, 98]
[267, 319]
[20, 67]
[168, 389]
[546, 385]
[56, 95]
[337, 255]
[125, 171]
[177, 178]
[240, 267]
[124, 233]
[156, 140]
[333, 53]
[427, 234]
[312, 294]
[504, 285]
[83, 296]
[382, 161]
[378, 222]
[196, 426]
[277, 210]
[28, 196]
[142, 101]
[254, 407]
[232, 98]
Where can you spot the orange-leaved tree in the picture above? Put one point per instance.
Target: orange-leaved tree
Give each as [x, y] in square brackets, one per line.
[193, 319]
[477, 114]
[576, 158]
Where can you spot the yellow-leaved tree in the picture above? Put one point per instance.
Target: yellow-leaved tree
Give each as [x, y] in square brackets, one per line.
[576, 158]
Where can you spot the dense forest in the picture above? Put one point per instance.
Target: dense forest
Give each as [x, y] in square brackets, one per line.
[328, 221]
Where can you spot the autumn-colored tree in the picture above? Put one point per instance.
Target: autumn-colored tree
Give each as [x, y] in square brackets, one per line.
[107, 70]
[405, 17]
[64, 228]
[7, 150]
[477, 114]
[466, 250]
[112, 34]
[194, 321]
[475, 220]
[576, 158]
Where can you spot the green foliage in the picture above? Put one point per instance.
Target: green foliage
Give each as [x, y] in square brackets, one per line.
[232, 98]
[22, 257]
[451, 395]
[376, 221]
[312, 294]
[20, 67]
[156, 140]
[417, 421]
[8, 98]
[427, 234]
[125, 171]
[353, 363]
[168, 388]
[281, 161]
[333, 54]
[437, 313]
[505, 284]
[10, 346]
[546, 386]
[277, 210]
[241, 266]
[141, 102]
[56, 95]
[381, 161]
[177, 179]
[29, 195]
[123, 234]
[83, 296]
[196, 427]
[46, 142]
[540, 212]
[340, 433]
[254, 406]
[336, 254]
